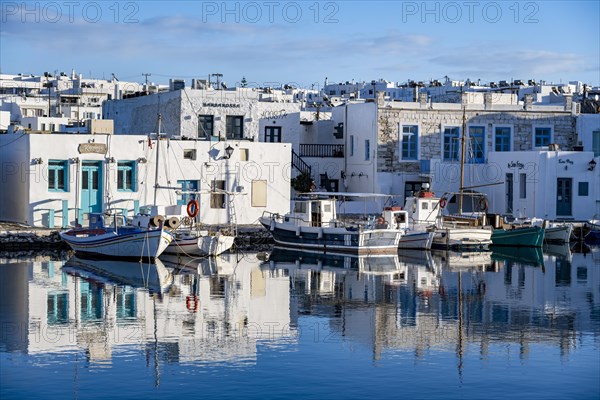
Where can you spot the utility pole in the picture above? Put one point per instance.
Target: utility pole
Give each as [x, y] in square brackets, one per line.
[146, 86]
[218, 76]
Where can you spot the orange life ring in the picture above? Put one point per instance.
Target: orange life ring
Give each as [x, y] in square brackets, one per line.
[443, 202]
[483, 204]
[193, 208]
[380, 220]
[191, 302]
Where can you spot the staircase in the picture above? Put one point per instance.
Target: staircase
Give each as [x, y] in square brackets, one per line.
[299, 164]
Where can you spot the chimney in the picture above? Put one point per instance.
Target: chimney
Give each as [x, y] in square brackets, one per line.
[423, 100]
[528, 100]
[380, 99]
[464, 98]
[488, 100]
[568, 102]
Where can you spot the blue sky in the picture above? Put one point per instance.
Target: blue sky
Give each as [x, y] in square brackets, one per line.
[303, 42]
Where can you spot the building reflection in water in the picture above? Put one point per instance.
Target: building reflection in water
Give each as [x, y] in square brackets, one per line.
[222, 309]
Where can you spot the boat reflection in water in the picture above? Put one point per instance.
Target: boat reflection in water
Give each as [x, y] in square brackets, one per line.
[153, 276]
[222, 310]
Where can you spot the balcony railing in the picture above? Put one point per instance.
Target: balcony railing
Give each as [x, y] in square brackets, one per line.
[322, 150]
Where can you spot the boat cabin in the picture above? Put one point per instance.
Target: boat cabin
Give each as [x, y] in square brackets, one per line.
[101, 220]
[423, 207]
[314, 212]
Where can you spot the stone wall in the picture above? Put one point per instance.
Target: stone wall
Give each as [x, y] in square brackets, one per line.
[432, 121]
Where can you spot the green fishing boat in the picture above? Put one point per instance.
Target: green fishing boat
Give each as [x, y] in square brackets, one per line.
[526, 236]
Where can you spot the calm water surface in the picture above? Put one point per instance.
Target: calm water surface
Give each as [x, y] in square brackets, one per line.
[488, 325]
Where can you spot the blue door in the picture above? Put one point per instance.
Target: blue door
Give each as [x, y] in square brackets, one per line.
[91, 187]
[509, 193]
[564, 196]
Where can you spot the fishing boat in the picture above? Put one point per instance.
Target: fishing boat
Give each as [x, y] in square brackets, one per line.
[425, 216]
[557, 232]
[519, 236]
[313, 225]
[414, 239]
[200, 243]
[146, 237]
[191, 239]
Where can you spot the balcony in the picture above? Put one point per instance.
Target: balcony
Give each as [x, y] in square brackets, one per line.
[322, 150]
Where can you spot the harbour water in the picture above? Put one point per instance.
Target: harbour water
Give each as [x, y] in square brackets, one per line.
[435, 325]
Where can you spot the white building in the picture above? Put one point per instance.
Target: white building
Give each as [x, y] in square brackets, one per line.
[52, 180]
[206, 114]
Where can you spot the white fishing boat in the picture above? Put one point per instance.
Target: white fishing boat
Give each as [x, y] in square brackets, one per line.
[192, 239]
[556, 232]
[145, 238]
[313, 225]
[196, 243]
[425, 216]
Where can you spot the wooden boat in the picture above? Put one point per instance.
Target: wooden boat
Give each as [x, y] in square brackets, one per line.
[145, 238]
[416, 240]
[424, 213]
[192, 242]
[313, 225]
[558, 233]
[524, 236]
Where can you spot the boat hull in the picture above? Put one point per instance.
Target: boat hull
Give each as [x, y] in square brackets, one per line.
[558, 234]
[462, 238]
[124, 244]
[201, 245]
[532, 236]
[343, 240]
[416, 240]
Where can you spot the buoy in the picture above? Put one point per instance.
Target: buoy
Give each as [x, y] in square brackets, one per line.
[193, 208]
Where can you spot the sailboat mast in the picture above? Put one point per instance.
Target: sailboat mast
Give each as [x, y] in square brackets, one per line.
[463, 144]
[156, 166]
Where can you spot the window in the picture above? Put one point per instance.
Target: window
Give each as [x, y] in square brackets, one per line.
[351, 145]
[244, 154]
[259, 194]
[502, 140]
[367, 150]
[235, 127]
[409, 142]
[584, 189]
[273, 134]
[187, 186]
[596, 143]
[126, 176]
[189, 154]
[43, 127]
[476, 144]
[451, 144]
[542, 137]
[217, 200]
[522, 186]
[58, 175]
[205, 126]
